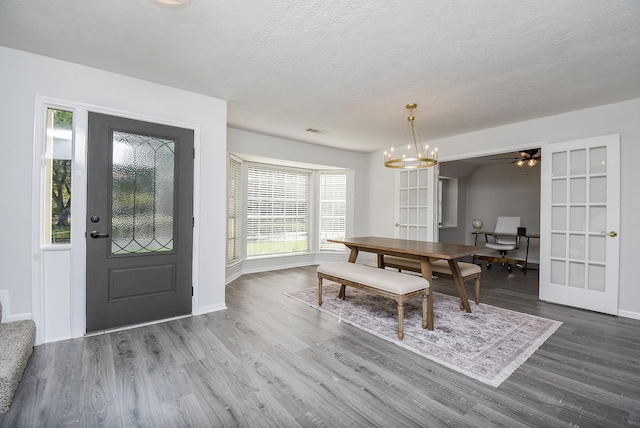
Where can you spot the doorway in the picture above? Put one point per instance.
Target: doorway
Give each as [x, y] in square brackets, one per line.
[487, 187]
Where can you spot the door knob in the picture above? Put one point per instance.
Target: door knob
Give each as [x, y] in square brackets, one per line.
[95, 234]
[397, 224]
[612, 233]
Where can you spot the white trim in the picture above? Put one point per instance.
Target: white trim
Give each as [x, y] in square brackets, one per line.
[629, 314]
[79, 244]
[129, 327]
[16, 317]
[211, 308]
[489, 152]
[232, 277]
[37, 281]
[77, 318]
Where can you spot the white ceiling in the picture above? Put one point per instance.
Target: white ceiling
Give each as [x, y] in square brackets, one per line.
[349, 68]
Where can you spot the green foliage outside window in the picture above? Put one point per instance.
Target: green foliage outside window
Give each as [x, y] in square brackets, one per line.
[61, 186]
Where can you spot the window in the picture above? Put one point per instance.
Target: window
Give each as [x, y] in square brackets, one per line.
[448, 202]
[234, 211]
[277, 210]
[58, 155]
[333, 209]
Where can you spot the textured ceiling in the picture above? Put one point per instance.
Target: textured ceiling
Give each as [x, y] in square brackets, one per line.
[349, 68]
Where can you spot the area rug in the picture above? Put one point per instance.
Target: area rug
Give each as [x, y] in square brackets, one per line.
[488, 344]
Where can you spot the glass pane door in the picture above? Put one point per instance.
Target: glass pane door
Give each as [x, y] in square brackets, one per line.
[579, 233]
[415, 210]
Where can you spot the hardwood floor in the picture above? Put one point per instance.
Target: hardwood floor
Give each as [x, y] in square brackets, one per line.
[271, 361]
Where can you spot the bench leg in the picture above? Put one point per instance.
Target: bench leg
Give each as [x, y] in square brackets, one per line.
[425, 305]
[319, 291]
[477, 290]
[400, 320]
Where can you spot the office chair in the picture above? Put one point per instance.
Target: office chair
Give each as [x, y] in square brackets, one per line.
[502, 243]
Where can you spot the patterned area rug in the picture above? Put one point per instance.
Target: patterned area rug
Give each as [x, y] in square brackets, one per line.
[487, 345]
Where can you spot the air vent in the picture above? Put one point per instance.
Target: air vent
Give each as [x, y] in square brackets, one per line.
[315, 131]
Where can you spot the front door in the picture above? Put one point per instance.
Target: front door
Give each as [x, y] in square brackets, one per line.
[579, 223]
[139, 222]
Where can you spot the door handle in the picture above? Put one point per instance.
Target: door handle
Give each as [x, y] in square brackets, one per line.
[612, 233]
[95, 234]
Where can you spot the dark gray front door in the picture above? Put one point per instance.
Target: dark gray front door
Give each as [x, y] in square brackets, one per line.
[139, 221]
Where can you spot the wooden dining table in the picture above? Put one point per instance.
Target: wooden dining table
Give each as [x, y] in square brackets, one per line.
[426, 252]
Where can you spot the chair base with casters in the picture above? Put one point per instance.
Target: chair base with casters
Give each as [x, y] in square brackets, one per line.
[504, 239]
[503, 261]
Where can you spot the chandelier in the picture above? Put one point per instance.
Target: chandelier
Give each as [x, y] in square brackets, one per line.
[413, 157]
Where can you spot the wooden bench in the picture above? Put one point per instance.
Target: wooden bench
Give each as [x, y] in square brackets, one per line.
[382, 282]
[439, 268]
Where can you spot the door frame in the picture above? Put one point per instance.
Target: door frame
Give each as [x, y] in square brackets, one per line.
[74, 298]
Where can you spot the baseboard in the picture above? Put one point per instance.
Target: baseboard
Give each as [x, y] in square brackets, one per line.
[211, 308]
[230, 278]
[7, 316]
[629, 314]
[15, 317]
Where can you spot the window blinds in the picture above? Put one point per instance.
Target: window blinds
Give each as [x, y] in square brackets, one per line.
[333, 210]
[277, 210]
[234, 211]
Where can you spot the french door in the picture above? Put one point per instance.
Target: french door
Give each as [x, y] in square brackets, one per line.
[139, 222]
[579, 223]
[415, 204]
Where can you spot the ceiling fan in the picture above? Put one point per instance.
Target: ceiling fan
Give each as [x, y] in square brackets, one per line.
[528, 157]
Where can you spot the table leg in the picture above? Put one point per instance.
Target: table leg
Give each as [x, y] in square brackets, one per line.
[425, 267]
[352, 259]
[457, 277]
[526, 257]
[427, 274]
[354, 254]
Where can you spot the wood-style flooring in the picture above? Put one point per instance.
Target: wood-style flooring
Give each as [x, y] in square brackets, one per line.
[270, 361]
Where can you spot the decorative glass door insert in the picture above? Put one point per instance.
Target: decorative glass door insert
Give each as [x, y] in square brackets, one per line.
[142, 193]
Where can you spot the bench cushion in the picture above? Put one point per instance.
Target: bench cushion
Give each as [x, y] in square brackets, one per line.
[437, 267]
[386, 280]
[466, 269]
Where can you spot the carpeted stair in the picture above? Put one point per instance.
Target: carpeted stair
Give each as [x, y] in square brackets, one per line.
[16, 345]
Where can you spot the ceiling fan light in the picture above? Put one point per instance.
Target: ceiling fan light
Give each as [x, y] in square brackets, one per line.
[532, 162]
[520, 162]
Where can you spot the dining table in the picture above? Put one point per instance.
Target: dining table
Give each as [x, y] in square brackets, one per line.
[424, 251]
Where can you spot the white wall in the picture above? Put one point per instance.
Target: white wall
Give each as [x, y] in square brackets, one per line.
[620, 118]
[505, 190]
[23, 76]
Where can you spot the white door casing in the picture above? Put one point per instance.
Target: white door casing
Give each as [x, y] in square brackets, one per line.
[579, 223]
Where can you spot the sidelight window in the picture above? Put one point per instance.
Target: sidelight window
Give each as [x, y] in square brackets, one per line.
[58, 155]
